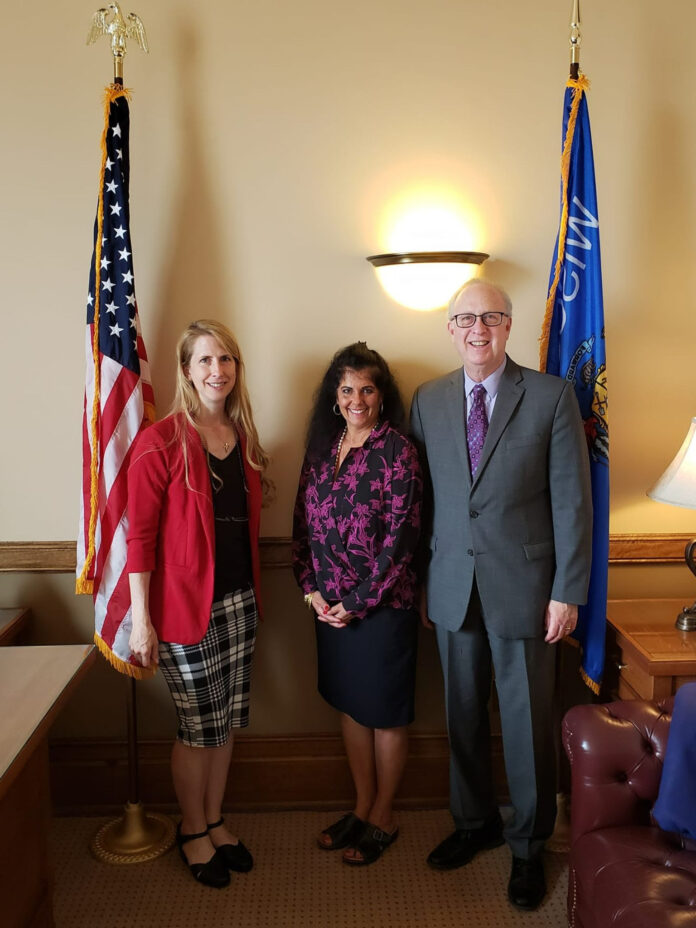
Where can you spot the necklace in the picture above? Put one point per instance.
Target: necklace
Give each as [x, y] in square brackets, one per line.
[340, 446]
[213, 432]
[338, 450]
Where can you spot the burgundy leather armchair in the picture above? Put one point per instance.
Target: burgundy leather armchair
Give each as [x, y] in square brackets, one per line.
[625, 872]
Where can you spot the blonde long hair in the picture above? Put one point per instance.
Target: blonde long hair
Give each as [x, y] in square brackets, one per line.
[187, 404]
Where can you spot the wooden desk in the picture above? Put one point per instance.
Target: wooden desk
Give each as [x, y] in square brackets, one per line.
[34, 684]
[12, 621]
[647, 657]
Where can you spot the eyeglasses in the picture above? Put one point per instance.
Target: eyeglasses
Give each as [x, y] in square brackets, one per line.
[466, 320]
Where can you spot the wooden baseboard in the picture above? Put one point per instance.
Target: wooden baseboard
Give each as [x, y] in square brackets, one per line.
[90, 777]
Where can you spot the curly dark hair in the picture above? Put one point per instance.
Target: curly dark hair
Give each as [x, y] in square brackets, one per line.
[324, 425]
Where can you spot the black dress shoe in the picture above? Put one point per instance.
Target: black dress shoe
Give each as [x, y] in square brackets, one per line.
[235, 856]
[461, 846]
[211, 873]
[527, 886]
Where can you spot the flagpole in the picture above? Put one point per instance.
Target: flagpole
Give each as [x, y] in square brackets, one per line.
[559, 841]
[575, 41]
[573, 347]
[136, 836]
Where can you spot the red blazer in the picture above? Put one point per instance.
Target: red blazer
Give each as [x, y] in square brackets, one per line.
[171, 530]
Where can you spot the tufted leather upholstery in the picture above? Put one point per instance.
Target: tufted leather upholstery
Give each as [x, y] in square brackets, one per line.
[625, 872]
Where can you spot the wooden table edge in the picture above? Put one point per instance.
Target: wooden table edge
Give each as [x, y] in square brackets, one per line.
[39, 732]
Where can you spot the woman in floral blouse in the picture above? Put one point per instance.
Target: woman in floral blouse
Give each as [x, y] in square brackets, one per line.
[356, 526]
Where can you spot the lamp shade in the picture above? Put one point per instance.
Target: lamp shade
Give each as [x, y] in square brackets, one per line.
[678, 483]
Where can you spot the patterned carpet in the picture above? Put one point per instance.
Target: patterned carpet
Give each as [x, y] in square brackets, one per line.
[295, 884]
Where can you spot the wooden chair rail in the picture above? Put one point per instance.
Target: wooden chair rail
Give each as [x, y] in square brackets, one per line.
[59, 556]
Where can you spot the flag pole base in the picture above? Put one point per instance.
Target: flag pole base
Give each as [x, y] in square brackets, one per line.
[559, 842]
[134, 838]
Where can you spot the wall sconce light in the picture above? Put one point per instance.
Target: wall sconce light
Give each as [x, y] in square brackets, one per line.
[678, 486]
[425, 279]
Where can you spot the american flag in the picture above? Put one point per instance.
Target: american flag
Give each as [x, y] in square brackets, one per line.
[118, 402]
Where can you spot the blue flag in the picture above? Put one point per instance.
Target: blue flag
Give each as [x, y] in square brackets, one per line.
[572, 346]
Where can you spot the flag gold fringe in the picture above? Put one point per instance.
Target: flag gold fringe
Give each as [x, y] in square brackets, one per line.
[124, 667]
[588, 681]
[149, 413]
[84, 584]
[580, 86]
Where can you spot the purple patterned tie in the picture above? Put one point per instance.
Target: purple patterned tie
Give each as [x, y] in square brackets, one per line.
[476, 426]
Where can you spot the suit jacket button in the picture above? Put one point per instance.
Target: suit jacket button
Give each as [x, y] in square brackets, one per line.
[470, 552]
[473, 514]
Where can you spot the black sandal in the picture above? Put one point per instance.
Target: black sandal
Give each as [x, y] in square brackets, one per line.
[213, 872]
[371, 843]
[342, 832]
[235, 856]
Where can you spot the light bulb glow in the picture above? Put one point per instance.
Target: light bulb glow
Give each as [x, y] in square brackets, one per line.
[424, 286]
[427, 218]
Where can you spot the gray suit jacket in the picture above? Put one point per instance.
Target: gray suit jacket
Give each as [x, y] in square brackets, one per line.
[523, 527]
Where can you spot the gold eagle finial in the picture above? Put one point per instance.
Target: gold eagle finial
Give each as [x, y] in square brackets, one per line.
[110, 21]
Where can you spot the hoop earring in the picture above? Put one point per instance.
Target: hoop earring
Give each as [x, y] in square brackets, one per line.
[336, 410]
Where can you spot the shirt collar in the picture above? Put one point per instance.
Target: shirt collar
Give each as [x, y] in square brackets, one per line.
[491, 383]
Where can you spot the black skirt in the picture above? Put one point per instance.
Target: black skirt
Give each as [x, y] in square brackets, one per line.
[368, 669]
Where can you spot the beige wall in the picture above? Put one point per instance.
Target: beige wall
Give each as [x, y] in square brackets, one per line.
[269, 141]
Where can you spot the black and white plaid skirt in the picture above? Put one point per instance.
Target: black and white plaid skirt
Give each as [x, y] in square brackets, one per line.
[209, 681]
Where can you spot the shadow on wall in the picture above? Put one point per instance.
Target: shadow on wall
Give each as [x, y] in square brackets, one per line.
[192, 282]
[288, 452]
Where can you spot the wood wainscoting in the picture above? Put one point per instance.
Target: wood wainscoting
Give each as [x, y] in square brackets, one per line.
[268, 772]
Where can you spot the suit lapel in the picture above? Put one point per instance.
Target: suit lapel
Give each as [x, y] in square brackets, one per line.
[454, 403]
[510, 392]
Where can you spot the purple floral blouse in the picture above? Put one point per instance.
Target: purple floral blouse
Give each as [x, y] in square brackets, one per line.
[354, 538]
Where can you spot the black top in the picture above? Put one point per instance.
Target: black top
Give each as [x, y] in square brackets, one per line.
[232, 552]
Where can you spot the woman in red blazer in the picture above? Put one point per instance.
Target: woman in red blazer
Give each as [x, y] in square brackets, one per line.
[195, 485]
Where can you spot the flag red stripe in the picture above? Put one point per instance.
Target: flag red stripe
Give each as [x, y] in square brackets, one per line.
[112, 512]
[124, 385]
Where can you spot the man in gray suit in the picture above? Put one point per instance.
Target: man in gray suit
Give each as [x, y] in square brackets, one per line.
[509, 562]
